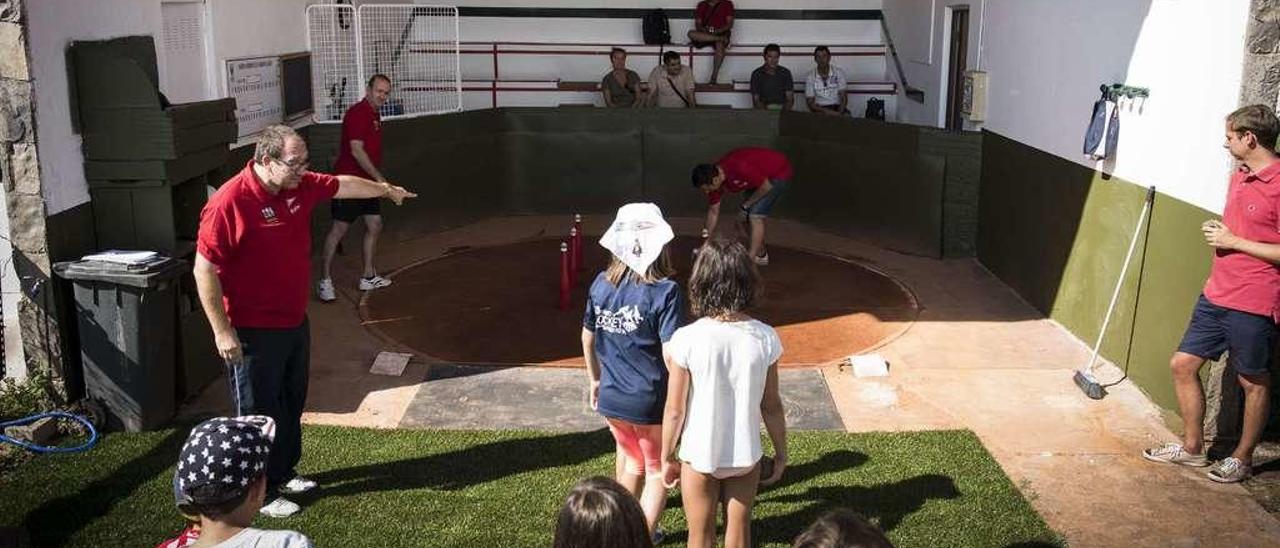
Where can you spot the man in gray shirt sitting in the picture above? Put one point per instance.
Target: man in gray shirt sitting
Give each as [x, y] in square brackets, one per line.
[771, 84]
[621, 85]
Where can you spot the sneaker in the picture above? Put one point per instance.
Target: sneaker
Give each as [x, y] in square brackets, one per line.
[280, 508]
[325, 291]
[297, 485]
[658, 535]
[1229, 470]
[1173, 453]
[762, 260]
[373, 282]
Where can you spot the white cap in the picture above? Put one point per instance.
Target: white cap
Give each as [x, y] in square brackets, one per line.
[637, 235]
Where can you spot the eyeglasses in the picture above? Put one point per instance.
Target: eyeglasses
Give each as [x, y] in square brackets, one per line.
[295, 165]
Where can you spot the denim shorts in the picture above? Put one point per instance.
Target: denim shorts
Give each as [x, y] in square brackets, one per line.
[1249, 338]
[764, 207]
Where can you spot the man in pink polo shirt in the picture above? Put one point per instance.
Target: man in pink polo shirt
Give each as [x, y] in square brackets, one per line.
[1237, 311]
[253, 270]
[763, 173]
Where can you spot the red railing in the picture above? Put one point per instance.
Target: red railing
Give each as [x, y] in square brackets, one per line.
[496, 50]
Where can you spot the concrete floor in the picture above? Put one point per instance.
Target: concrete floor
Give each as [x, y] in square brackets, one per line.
[977, 357]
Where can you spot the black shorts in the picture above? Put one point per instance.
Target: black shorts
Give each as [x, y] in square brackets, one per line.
[348, 211]
[1213, 329]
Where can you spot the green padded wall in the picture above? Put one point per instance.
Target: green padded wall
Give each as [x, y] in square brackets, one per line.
[908, 188]
[1057, 233]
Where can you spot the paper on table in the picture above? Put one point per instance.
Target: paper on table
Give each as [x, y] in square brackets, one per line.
[122, 257]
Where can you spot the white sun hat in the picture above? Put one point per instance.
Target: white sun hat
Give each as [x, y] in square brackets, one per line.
[637, 235]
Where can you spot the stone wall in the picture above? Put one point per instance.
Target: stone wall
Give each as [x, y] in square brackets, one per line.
[20, 171]
[1261, 78]
[1259, 83]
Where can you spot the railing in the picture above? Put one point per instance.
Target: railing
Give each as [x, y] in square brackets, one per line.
[497, 50]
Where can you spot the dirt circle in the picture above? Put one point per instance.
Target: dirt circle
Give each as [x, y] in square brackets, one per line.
[497, 305]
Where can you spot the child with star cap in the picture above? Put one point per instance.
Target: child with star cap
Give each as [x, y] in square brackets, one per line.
[633, 308]
[221, 483]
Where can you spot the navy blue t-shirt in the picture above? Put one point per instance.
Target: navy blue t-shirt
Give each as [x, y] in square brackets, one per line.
[630, 322]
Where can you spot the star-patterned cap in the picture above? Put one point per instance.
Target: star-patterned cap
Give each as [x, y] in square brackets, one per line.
[221, 458]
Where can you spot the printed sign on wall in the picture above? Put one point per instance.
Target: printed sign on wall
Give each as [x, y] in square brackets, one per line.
[255, 85]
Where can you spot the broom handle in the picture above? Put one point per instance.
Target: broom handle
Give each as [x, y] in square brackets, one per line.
[1124, 270]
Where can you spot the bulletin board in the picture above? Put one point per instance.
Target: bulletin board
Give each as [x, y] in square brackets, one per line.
[255, 85]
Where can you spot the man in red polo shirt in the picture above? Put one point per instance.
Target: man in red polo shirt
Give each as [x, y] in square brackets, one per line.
[762, 172]
[359, 154]
[253, 270]
[1237, 311]
[713, 26]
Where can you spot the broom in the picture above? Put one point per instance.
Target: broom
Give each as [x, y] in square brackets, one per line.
[1084, 376]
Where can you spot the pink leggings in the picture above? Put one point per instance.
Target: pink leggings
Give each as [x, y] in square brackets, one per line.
[642, 443]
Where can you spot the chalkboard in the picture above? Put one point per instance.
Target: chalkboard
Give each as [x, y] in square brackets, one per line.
[295, 70]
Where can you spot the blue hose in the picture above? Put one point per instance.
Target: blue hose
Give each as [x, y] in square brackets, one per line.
[93, 433]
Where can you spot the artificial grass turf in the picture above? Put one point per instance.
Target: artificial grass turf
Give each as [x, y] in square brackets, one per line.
[504, 488]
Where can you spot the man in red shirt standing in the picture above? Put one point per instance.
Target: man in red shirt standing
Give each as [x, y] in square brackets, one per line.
[762, 172]
[359, 154]
[713, 26]
[252, 271]
[1238, 308]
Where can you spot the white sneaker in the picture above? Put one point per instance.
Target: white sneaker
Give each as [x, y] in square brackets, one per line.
[297, 485]
[1173, 453]
[325, 291]
[373, 282]
[762, 260]
[280, 508]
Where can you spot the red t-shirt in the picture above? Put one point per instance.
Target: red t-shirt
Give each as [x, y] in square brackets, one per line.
[746, 169]
[261, 245]
[1237, 280]
[716, 17]
[360, 123]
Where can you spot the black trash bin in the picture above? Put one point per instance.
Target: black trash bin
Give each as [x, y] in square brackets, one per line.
[126, 326]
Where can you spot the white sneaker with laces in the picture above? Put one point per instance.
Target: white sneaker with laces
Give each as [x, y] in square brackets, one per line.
[297, 485]
[280, 508]
[373, 282]
[1230, 470]
[762, 260]
[325, 291]
[1173, 453]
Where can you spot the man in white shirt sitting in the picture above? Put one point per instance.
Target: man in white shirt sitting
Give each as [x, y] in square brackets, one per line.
[824, 88]
[671, 84]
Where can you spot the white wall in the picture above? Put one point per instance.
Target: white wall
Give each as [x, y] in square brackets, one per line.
[1046, 59]
[54, 24]
[237, 28]
[252, 28]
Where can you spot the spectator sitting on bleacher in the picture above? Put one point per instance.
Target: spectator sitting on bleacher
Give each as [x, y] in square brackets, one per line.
[713, 26]
[824, 88]
[620, 86]
[771, 84]
[671, 84]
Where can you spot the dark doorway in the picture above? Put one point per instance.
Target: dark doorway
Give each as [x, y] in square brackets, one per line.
[959, 48]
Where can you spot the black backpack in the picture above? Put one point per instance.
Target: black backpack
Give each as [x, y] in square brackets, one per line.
[655, 27]
[875, 109]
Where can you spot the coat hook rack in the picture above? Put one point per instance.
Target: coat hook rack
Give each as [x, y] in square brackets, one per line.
[1116, 91]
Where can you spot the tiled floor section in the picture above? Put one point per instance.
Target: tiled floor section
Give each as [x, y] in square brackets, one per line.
[978, 358]
[474, 397]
